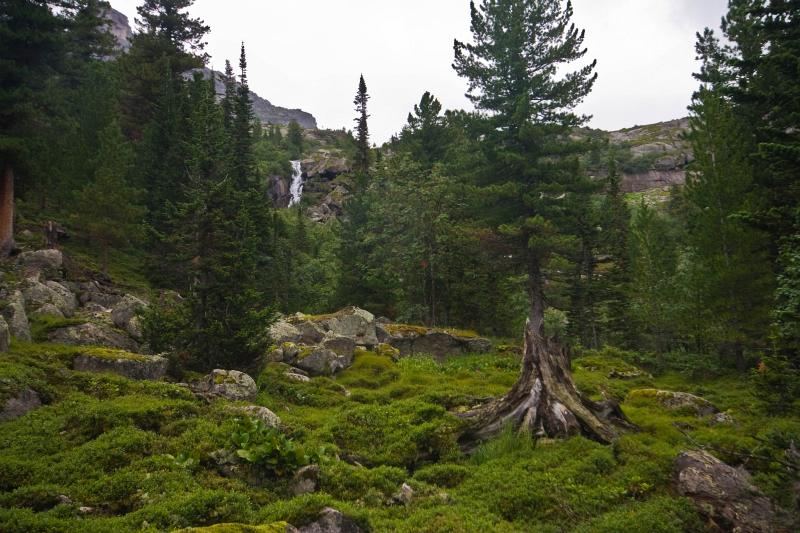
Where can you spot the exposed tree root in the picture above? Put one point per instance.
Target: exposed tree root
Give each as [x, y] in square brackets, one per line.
[544, 401]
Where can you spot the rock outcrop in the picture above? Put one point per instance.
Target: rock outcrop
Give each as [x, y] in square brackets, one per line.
[37, 263]
[305, 480]
[125, 315]
[676, 401]
[411, 340]
[131, 366]
[229, 384]
[5, 335]
[93, 334]
[16, 317]
[263, 109]
[325, 344]
[658, 153]
[259, 412]
[20, 404]
[723, 494]
[331, 521]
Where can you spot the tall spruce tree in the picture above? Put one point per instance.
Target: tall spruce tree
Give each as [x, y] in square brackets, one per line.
[242, 164]
[517, 67]
[229, 98]
[216, 239]
[362, 129]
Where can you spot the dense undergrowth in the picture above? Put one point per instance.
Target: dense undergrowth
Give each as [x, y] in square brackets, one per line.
[105, 453]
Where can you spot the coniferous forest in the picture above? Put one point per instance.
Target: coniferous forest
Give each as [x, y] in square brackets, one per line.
[216, 319]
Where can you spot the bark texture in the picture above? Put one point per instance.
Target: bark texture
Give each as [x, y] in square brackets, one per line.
[544, 401]
[7, 211]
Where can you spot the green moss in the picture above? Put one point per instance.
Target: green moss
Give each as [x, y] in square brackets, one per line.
[146, 455]
[276, 527]
[111, 354]
[406, 329]
[42, 325]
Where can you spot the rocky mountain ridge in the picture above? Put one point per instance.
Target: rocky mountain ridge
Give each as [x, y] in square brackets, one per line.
[265, 111]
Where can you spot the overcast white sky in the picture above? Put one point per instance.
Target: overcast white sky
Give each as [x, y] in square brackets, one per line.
[309, 54]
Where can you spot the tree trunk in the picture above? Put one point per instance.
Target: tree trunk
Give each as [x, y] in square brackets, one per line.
[544, 402]
[7, 210]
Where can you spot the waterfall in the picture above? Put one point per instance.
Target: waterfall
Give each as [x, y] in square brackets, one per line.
[296, 188]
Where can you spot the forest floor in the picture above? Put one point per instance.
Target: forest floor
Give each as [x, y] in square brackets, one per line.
[107, 454]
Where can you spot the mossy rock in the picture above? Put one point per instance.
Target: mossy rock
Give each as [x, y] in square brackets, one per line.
[276, 527]
[126, 364]
[681, 402]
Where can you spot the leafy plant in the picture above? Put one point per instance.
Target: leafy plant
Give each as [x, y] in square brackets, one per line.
[267, 448]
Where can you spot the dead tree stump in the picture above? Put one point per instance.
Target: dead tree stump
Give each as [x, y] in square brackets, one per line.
[544, 402]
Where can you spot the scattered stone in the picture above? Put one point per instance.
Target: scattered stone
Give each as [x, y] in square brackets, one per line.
[344, 347]
[412, 340]
[18, 405]
[63, 499]
[37, 295]
[230, 384]
[283, 331]
[331, 521]
[404, 495]
[48, 310]
[677, 401]
[722, 419]
[131, 366]
[92, 334]
[297, 377]
[723, 494]
[320, 361]
[125, 315]
[17, 319]
[86, 510]
[479, 345]
[387, 350]
[94, 292]
[627, 374]
[305, 480]
[258, 412]
[310, 332]
[355, 323]
[5, 335]
[44, 262]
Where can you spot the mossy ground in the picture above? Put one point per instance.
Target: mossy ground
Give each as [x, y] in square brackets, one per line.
[139, 454]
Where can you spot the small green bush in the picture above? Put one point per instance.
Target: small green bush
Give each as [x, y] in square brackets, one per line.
[267, 448]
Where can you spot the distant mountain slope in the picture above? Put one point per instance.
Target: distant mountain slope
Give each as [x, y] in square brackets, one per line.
[656, 155]
[264, 110]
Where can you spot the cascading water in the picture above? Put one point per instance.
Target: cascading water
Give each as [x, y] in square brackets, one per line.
[296, 188]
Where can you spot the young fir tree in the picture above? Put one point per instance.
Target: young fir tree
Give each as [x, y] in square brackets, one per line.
[362, 130]
[517, 68]
[108, 208]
